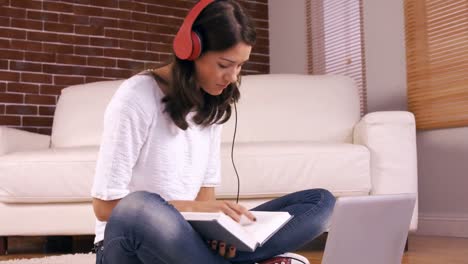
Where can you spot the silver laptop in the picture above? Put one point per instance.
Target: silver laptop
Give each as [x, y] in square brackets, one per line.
[369, 229]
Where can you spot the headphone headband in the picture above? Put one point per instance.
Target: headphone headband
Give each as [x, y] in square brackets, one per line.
[184, 43]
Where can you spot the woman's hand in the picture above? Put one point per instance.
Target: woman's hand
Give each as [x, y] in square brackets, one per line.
[234, 210]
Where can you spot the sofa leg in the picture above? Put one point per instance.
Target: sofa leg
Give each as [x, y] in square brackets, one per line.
[3, 245]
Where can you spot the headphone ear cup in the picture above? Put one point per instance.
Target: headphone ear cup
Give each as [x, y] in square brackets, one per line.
[197, 46]
[187, 44]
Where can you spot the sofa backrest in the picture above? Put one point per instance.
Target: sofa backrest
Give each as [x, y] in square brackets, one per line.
[273, 107]
[78, 119]
[290, 107]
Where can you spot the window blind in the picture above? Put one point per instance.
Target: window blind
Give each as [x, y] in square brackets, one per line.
[437, 62]
[335, 41]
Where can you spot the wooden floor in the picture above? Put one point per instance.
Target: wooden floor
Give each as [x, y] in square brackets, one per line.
[422, 250]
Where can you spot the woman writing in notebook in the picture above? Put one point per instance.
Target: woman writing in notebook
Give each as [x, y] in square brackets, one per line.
[159, 154]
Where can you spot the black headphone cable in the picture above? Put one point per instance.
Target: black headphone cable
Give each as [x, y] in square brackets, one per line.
[232, 152]
[234, 166]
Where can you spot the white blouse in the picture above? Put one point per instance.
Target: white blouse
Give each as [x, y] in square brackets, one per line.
[142, 149]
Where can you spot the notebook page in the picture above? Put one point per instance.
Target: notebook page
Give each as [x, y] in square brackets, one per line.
[266, 224]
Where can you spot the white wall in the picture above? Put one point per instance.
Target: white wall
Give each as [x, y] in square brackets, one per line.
[443, 181]
[384, 44]
[287, 36]
[442, 154]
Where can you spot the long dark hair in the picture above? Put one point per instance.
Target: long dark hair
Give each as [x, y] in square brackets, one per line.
[221, 25]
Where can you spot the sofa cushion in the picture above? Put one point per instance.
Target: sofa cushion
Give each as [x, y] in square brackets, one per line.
[52, 175]
[265, 169]
[285, 107]
[276, 169]
[79, 114]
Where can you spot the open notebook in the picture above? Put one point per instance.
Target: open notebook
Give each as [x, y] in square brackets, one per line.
[245, 237]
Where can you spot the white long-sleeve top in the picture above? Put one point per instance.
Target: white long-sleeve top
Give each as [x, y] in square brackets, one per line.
[142, 149]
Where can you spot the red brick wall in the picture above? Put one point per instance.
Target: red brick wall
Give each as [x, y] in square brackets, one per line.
[48, 45]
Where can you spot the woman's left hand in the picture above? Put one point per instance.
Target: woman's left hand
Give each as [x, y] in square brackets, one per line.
[222, 249]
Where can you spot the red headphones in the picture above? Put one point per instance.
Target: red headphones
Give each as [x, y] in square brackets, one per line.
[187, 43]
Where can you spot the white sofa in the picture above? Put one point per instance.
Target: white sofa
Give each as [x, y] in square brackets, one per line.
[294, 132]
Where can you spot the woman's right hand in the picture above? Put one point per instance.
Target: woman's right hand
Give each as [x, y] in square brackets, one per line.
[232, 209]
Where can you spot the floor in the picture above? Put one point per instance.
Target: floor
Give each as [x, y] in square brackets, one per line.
[422, 249]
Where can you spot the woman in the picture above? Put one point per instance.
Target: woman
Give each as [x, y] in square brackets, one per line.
[159, 155]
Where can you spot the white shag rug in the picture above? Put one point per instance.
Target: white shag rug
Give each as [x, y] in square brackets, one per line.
[62, 259]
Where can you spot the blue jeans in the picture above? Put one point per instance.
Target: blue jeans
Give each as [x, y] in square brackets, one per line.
[144, 228]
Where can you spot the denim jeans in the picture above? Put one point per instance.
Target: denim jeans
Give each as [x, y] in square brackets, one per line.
[144, 228]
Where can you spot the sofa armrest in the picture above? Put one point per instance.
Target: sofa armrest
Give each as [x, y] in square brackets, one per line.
[12, 140]
[391, 139]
